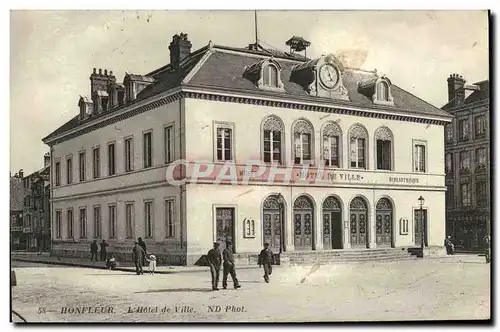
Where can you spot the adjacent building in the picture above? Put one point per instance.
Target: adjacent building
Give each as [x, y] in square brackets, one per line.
[377, 148]
[17, 236]
[467, 163]
[36, 208]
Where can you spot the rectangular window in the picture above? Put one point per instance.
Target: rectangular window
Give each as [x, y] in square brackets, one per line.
[111, 159]
[83, 223]
[147, 150]
[169, 218]
[450, 196]
[168, 133]
[481, 157]
[357, 152]
[148, 218]
[112, 221]
[466, 194]
[96, 163]
[464, 129]
[384, 155]
[97, 222]
[224, 144]
[272, 146]
[81, 162]
[331, 151]
[302, 148]
[129, 220]
[480, 124]
[481, 194]
[58, 224]
[464, 161]
[58, 173]
[129, 155]
[449, 163]
[69, 170]
[449, 132]
[70, 223]
[419, 158]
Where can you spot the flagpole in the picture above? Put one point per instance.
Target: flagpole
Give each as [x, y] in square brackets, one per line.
[256, 31]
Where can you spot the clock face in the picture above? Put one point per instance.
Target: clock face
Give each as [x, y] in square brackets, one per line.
[329, 76]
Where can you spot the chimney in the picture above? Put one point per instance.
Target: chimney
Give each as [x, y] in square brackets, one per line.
[20, 173]
[100, 81]
[46, 159]
[180, 48]
[455, 89]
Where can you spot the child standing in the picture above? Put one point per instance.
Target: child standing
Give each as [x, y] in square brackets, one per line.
[152, 264]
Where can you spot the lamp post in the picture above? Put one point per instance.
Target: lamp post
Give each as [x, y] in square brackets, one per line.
[421, 202]
[281, 203]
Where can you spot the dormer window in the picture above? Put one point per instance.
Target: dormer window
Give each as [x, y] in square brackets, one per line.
[383, 91]
[266, 75]
[270, 76]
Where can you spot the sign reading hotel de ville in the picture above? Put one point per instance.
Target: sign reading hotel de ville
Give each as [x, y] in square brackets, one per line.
[249, 166]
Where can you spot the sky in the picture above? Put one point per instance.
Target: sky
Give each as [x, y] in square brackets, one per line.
[52, 53]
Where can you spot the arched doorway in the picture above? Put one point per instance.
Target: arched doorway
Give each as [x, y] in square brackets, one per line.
[359, 223]
[332, 223]
[303, 212]
[383, 223]
[272, 223]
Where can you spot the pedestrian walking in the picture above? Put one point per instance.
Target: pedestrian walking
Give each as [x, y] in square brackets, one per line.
[214, 260]
[152, 264]
[266, 259]
[228, 266]
[104, 250]
[94, 248]
[143, 246]
[487, 249]
[137, 256]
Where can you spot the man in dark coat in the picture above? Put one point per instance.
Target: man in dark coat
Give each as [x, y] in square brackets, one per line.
[137, 256]
[266, 259]
[142, 244]
[228, 267]
[94, 248]
[104, 254]
[214, 260]
[487, 249]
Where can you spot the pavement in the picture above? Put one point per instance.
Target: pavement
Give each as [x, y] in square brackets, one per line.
[122, 266]
[424, 289]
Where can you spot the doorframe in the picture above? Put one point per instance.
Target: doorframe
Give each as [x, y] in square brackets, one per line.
[235, 228]
[426, 235]
[369, 225]
[393, 226]
[313, 217]
[342, 208]
[283, 222]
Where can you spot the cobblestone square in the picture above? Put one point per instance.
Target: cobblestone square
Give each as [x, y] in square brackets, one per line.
[433, 289]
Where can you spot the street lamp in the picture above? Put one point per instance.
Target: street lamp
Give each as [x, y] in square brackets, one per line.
[281, 204]
[421, 202]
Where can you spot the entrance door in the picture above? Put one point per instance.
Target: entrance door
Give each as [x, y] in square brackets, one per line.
[383, 223]
[224, 219]
[359, 223]
[332, 224]
[272, 229]
[418, 217]
[303, 223]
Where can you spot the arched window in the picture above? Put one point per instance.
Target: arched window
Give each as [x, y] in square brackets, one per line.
[331, 140]
[383, 139]
[272, 134]
[303, 140]
[383, 91]
[270, 73]
[358, 155]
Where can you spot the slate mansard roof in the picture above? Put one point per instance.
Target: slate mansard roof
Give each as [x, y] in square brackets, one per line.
[220, 69]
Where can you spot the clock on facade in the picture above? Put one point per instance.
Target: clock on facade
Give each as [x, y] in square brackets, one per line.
[329, 76]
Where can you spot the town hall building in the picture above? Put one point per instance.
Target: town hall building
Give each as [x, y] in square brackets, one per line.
[377, 147]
